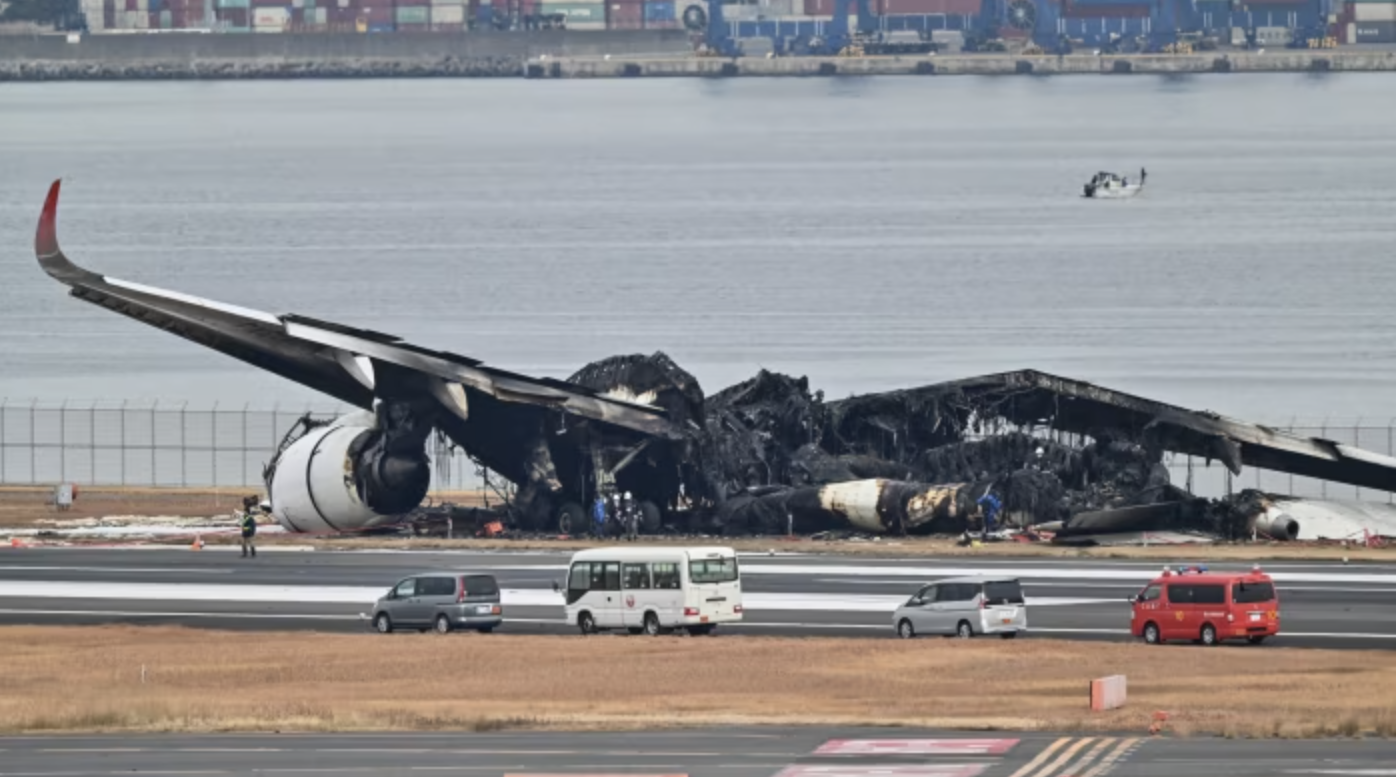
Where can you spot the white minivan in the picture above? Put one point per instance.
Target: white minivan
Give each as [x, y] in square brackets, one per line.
[654, 590]
[965, 607]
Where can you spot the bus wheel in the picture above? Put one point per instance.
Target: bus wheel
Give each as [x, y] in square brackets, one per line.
[1209, 635]
[651, 624]
[586, 623]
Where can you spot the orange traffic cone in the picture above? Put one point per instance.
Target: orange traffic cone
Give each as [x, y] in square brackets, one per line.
[15, 542]
[198, 543]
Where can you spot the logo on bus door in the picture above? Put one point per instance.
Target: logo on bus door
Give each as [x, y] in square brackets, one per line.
[630, 600]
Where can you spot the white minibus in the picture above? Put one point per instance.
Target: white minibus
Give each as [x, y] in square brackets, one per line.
[653, 590]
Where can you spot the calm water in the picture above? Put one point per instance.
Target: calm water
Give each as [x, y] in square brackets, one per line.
[871, 234]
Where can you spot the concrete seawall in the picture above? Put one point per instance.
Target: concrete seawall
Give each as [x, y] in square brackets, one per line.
[976, 64]
[561, 54]
[291, 55]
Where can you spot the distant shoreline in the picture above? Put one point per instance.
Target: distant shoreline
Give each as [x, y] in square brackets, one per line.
[530, 65]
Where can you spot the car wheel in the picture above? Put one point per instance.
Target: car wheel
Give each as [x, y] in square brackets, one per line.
[1209, 635]
[905, 630]
[963, 631]
[651, 624]
[586, 623]
[443, 624]
[1151, 635]
[382, 623]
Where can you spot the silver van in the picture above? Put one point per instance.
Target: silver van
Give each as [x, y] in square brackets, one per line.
[441, 600]
[965, 606]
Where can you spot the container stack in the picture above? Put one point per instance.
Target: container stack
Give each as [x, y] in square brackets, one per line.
[233, 15]
[1370, 21]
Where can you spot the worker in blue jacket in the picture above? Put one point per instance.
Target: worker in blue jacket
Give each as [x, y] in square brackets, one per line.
[989, 506]
[598, 515]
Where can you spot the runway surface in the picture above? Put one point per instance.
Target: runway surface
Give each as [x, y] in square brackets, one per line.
[747, 752]
[1322, 604]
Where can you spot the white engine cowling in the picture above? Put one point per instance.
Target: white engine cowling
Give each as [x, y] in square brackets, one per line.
[315, 486]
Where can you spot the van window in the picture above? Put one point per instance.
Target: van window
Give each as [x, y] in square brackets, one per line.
[1209, 593]
[924, 596]
[480, 585]
[666, 575]
[956, 592]
[1151, 594]
[406, 589]
[1009, 592]
[1180, 594]
[713, 570]
[1252, 593]
[436, 586]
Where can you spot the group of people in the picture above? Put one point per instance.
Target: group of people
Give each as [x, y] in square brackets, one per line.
[620, 510]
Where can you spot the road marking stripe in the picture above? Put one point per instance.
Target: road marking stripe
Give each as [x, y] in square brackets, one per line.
[1041, 757]
[1108, 763]
[1066, 755]
[1085, 760]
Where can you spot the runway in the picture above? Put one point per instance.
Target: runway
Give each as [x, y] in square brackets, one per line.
[1322, 605]
[745, 752]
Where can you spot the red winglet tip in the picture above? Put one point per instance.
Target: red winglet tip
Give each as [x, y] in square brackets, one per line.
[46, 241]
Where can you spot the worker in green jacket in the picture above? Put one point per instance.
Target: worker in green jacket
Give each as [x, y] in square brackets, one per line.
[249, 526]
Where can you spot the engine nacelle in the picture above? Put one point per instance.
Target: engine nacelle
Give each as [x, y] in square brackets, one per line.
[340, 478]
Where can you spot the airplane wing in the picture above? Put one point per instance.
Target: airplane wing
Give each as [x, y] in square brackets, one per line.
[332, 358]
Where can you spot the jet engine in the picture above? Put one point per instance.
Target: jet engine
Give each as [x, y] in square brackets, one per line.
[346, 475]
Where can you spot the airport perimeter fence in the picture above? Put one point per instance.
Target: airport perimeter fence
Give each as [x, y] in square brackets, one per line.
[161, 444]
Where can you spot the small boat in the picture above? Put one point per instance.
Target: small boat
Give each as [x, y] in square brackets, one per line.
[1108, 186]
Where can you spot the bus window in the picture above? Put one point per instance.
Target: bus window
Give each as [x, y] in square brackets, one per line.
[713, 570]
[579, 582]
[635, 576]
[1252, 593]
[666, 575]
[612, 577]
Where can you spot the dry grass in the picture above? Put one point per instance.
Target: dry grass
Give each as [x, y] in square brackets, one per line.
[25, 507]
[90, 678]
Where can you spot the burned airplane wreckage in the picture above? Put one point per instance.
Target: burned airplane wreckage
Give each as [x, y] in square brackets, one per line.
[764, 456]
[768, 457]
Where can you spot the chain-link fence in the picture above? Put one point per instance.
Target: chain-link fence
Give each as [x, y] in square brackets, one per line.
[162, 444]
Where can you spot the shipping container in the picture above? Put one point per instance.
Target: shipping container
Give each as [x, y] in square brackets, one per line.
[448, 27]
[659, 11]
[272, 18]
[1075, 9]
[448, 14]
[381, 27]
[625, 14]
[1374, 12]
[903, 7]
[576, 13]
[1375, 32]
[411, 14]
[401, 27]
